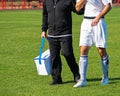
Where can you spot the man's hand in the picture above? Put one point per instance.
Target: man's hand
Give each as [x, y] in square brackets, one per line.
[44, 35]
[95, 21]
[102, 14]
[79, 5]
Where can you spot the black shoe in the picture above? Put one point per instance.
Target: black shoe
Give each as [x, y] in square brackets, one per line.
[54, 83]
[56, 80]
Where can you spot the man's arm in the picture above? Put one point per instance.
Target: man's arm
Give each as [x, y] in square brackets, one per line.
[44, 20]
[102, 14]
[80, 4]
[80, 12]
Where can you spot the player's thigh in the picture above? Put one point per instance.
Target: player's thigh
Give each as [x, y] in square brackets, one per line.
[86, 34]
[100, 34]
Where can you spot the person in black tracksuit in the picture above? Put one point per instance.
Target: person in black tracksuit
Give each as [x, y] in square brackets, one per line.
[57, 20]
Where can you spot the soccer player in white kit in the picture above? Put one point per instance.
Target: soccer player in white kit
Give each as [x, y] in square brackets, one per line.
[93, 31]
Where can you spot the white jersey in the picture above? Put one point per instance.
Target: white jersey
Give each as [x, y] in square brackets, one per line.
[94, 7]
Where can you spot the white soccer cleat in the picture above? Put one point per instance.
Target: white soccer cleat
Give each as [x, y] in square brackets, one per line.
[105, 81]
[80, 84]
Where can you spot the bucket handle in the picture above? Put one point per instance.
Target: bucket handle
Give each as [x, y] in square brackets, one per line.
[41, 49]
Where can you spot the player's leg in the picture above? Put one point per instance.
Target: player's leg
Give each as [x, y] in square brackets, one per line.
[85, 43]
[83, 63]
[100, 41]
[105, 65]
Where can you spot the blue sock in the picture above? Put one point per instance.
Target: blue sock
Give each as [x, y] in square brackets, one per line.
[105, 65]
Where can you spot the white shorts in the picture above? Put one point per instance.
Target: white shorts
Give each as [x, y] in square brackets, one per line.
[96, 35]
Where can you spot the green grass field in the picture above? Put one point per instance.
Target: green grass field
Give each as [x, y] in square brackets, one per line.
[19, 44]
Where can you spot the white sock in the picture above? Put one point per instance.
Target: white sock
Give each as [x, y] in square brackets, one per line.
[83, 67]
[105, 65]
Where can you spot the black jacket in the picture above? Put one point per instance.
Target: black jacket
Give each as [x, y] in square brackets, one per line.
[57, 18]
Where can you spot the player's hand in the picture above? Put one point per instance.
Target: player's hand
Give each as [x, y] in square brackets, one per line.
[44, 35]
[95, 21]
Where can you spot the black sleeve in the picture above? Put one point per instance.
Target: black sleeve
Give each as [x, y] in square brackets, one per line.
[73, 5]
[44, 18]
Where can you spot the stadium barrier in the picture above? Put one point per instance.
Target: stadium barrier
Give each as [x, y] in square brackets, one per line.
[20, 4]
[30, 4]
[116, 2]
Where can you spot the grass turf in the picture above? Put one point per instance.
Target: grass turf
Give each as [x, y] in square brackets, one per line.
[19, 44]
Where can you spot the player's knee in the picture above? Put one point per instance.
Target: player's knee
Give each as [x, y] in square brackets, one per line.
[84, 50]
